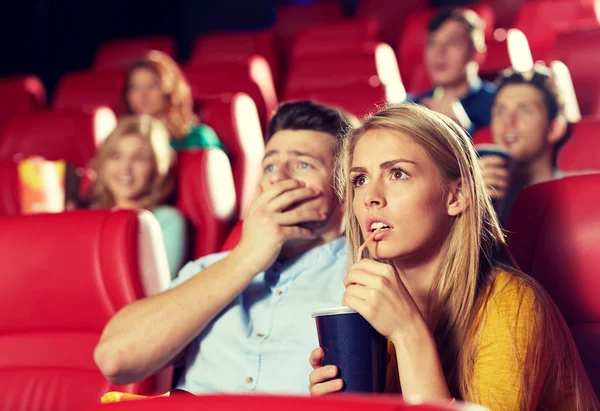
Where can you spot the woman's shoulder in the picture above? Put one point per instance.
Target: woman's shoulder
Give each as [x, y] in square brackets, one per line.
[511, 288]
[202, 129]
[166, 214]
[513, 299]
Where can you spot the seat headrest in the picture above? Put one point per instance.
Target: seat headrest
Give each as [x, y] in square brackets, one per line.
[71, 136]
[73, 271]
[553, 233]
[88, 89]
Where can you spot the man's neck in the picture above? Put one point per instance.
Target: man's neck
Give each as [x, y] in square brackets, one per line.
[295, 248]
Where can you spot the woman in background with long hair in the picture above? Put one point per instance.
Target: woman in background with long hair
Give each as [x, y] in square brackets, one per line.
[156, 86]
[135, 170]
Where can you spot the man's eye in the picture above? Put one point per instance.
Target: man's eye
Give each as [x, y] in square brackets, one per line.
[269, 168]
[305, 165]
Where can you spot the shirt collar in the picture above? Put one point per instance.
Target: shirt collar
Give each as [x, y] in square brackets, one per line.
[322, 254]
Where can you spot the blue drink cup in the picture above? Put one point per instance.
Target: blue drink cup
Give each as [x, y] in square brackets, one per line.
[493, 150]
[355, 347]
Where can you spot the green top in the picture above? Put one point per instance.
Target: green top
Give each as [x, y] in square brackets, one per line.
[200, 136]
[173, 227]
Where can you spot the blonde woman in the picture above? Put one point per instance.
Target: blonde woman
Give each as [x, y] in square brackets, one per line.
[438, 282]
[156, 86]
[134, 169]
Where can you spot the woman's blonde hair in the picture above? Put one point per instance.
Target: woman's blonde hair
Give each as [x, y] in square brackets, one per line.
[162, 184]
[474, 251]
[180, 114]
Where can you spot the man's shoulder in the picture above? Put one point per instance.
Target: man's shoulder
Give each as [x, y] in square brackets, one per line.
[194, 267]
[488, 89]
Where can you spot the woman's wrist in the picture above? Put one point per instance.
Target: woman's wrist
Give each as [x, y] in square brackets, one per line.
[416, 336]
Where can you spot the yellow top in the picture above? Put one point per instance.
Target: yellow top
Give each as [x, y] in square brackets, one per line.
[506, 329]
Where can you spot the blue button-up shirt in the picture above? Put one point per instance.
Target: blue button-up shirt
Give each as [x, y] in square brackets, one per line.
[262, 340]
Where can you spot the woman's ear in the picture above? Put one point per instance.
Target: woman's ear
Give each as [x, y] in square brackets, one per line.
[456, 200]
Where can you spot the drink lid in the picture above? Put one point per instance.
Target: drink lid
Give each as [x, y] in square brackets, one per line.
[332, 311]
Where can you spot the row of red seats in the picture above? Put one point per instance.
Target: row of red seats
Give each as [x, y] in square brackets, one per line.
[319, 68]
[74, 136]
[107, 259]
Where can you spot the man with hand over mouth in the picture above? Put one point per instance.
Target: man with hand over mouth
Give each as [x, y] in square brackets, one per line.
[241, 320]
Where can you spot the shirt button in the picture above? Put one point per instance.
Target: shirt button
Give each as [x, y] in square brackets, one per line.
[278, 292]
[249, 380]
[260, 335]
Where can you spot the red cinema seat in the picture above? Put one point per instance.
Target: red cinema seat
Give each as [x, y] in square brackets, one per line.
[233, 46]
[359, 99]
[553, 233]
[10, 195]
[236, 122]
[206, 196]
[121, 53]
[543, 20]
[505, 11]
[508, 48]
[277, 403]
[336, 37]
[233, 238]
[581, 152]
[411, 46]
[69, 135]
[251, 76]
[291, 20]
[573, 49]
[85, 90]
[483, 136]
[391, 14]
[20, 95]
[375, 63]
[65, 275]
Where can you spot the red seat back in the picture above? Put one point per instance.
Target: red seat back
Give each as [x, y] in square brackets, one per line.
[84, 90]
[543, 20]
[554, 232]
[206, 196]
[122, 53]
[20, 95]
[277, 403]
[71, 136]
[483, 136]
[291, 20]
[327, 38]
[251, 76]
[236, 122]
[359, 99]
[86, 265]
[233, 46]
[581, 152]
[391, 14]
[573, 49]
[10, 195]
[233, 238]
[375, 62]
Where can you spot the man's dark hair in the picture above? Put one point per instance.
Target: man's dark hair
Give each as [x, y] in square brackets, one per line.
[468, 18]
[306, 115]
[541, 79]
